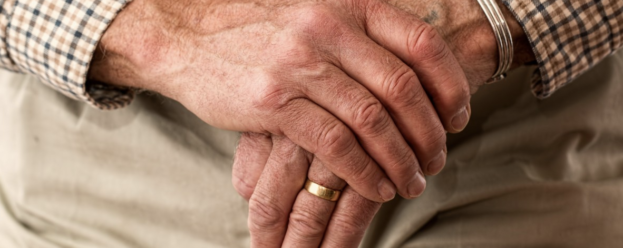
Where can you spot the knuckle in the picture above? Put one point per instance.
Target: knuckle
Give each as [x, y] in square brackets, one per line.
[419, 101]
[363, 8]
[434, 139]
[456, 97]
[264, 214]
[370, 118]
[461, 93]
[358, 171]
[297, 52]
[350, 223]
[334, 139]
[400, 86]
[243, 188]
[314, 19]
[252, 141]
[403, 167]
[362, 174]
[306, 224]
[323, 25]
[426, 44]
[275, 95]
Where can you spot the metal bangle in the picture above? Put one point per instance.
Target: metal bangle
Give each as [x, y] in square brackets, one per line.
[502, 35]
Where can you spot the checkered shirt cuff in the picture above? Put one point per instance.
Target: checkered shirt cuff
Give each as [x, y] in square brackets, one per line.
[55, 40]
[568, 37]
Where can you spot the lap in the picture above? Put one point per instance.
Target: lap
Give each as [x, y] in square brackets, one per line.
[150, 175]
[525, 173]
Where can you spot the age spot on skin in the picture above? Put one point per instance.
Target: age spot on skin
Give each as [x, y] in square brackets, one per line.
[431, 18]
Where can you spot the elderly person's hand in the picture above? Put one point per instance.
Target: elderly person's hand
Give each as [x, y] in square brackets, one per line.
[282, 214]
[349, 81]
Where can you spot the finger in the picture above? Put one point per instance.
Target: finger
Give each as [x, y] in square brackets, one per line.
[311, 214]
[352, 103]
[272, 200]
[351, 217]
[422, 48]
[397, 86]
[332, 142]
[251, 155]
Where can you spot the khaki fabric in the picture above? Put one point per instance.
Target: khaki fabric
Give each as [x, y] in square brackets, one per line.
[525, 173]
[150, 175]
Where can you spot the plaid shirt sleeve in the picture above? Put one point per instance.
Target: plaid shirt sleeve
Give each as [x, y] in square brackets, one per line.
[55, 40]
[568, 37]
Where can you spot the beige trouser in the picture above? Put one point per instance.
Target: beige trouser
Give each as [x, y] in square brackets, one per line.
[526, 173]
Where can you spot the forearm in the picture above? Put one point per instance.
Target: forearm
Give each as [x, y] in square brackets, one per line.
[124, 47]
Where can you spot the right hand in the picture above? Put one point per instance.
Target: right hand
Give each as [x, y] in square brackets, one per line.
[348, 81]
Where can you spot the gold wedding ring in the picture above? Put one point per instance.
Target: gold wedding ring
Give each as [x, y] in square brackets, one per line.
[321, 191]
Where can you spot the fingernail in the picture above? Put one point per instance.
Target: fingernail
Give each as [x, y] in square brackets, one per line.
[387, 190]
[417, 186]
[435, 166]
[461, 119]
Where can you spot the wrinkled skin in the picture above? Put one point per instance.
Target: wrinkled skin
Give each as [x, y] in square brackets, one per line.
[347, 81]
[360, 90]
[314, 221]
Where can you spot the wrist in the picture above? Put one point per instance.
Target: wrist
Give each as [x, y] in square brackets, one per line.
[126, 49]
[473, 40]
[464, 25]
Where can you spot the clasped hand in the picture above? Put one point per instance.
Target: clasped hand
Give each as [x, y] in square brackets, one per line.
[269, 170]
[355, 93]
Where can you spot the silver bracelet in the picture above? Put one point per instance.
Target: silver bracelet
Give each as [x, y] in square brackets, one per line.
[503, 36]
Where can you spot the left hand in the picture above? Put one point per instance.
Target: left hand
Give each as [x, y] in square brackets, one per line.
[281, 214]
[300, 221]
